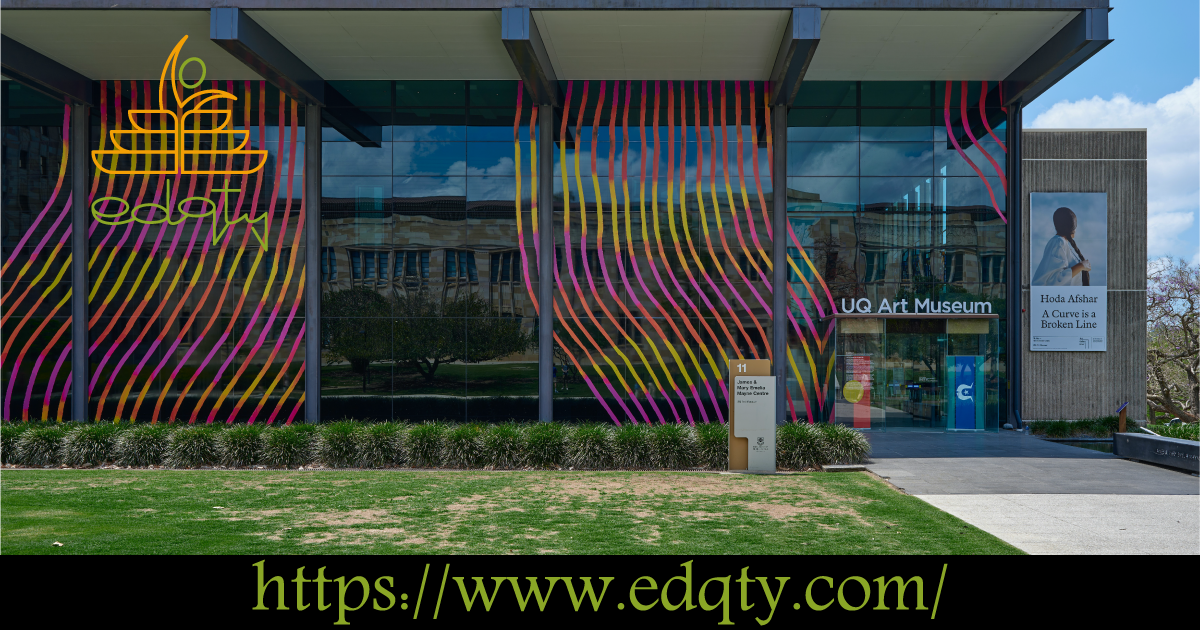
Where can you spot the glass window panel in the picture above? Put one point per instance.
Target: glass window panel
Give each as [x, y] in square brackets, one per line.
[494, 93]
[897, 194]
[896, 158]
[496, 159]
[826, 93]
[822, 158]
[350, 158]
[947, 157]
[896, 94]
[491, 124]
[429, 158]
[822, 124]
[836, 194]
[431, 93]
[415, 188]
[896, 125]
[375, 123]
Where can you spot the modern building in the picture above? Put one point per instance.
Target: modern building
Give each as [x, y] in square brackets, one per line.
[554, 209]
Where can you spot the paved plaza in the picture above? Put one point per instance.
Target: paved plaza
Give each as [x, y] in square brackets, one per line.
[1044, 497]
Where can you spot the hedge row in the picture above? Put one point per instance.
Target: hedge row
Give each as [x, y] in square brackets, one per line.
[350, 444]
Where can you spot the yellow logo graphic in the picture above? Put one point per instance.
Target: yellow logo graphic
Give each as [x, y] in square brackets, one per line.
[853, 391]
[172, 145]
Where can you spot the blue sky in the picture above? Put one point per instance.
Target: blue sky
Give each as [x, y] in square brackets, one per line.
[1147, 78]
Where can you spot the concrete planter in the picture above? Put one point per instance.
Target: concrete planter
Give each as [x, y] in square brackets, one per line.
[1176, 453]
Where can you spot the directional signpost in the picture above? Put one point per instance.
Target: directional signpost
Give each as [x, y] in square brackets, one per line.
[751, 416]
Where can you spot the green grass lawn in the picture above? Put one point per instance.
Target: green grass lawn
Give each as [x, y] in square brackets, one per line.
[373, 512]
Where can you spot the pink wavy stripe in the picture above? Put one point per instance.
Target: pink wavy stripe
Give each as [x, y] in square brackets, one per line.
[53, 195]
[587, 268]
[954, 141]
[712, 186]
[287, 324]
[292, 141]
[630, 291]
[562, 288]
[296, 343]
[654, 266]
[800, 334]
[762, 200]
[11, 308]
[971, 135]
[162, 303]
[12, 336]
[567, 240]
[221, 252]
[520, 175]
[637, 272]
[65, 390]
[608, 283]
[658, 238]
[242, 297]
[20, 300]
[112, 179]
[62, 356]
[828, 295]
[282, 399]
[983, 114]
[38, 364]
[742, 179]
[708, 239]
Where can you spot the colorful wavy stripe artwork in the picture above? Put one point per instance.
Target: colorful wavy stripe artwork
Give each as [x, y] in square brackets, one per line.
[181, 328]
[33, 329]
[966, 126]
[651, 315]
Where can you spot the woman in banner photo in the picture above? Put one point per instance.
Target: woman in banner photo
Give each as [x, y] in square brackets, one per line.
[1063, 265]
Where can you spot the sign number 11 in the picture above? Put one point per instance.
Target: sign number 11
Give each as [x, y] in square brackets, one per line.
[741, 367]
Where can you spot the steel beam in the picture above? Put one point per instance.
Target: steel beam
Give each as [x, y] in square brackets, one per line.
[30, 67]
[312, 264]
[520, 35]
[779, 304]
[80, 162]
[1081, 38]
[796, 51]
[1014, 343]
[545, 263]
[242, 37]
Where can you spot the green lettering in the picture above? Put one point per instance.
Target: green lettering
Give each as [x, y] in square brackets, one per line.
[342, 607]
[534, 591]
[866, 593]
[386, 593]
[262, 587]
[587, 590]
[635, 588]
[900, 586]
[808, 593]
[723, 602]
[772, 598]
[480, 592]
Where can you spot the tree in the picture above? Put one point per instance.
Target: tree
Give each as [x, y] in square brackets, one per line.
[356, 328]
[1173, 339]
[429, 332]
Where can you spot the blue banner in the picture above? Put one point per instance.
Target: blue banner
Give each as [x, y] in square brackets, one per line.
[964, 392]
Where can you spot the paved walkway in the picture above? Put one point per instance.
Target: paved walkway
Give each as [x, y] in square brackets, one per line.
[1044, 497]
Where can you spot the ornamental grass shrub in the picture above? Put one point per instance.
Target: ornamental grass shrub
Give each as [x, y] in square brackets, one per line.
[288, 446]
[91, 444]
[462, 446]
[380, 445]
[143, 445]
[336, 444]
[712, 445]
[631, 446]
[799, 446]
[590, 447]
[41, 446]
[546, 445]
[9, 433]
[192, 447]
[424, 445]
[240, 446]
[1177, 431]
[503, 446]
[673, 446]
[843, 445]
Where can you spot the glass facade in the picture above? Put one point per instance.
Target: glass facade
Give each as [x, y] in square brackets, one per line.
[662, 237]
[35, 234]
[426, 280]
[896, 194]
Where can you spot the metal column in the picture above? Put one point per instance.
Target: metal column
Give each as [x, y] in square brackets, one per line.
[1016, 253]
[779, 304]
[545, 194]
[80, 160]
[312, 263]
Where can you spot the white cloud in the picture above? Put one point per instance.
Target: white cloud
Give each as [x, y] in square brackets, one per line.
[1173, 165]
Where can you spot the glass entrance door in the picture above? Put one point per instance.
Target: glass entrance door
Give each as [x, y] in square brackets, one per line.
[916, 374]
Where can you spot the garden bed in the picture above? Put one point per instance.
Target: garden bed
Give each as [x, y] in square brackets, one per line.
[349, 444]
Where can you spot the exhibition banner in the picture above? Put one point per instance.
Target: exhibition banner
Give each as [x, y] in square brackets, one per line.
[1068, 259]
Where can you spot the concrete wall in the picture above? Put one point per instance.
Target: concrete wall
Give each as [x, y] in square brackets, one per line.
[1078, 385]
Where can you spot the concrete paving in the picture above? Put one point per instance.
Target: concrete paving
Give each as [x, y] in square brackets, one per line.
[1044, 497]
